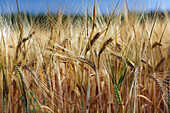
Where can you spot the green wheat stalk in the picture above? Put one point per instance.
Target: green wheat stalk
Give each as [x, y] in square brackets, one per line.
[121, 77]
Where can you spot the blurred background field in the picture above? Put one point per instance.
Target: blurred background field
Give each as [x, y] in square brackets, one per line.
[80, 6]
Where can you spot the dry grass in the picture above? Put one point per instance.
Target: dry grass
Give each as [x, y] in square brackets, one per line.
[98, 64]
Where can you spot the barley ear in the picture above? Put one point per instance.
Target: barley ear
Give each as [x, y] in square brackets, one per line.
[107, 42]
[117, 94]
[22, 87]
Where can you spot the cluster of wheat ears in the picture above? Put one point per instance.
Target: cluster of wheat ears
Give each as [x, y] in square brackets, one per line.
[98, 63]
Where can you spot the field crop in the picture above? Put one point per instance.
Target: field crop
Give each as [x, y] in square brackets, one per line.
[117, 63]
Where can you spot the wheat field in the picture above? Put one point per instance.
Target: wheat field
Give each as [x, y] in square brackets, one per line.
[117, 63]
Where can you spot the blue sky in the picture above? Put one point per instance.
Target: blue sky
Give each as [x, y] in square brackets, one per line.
[72, 6]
